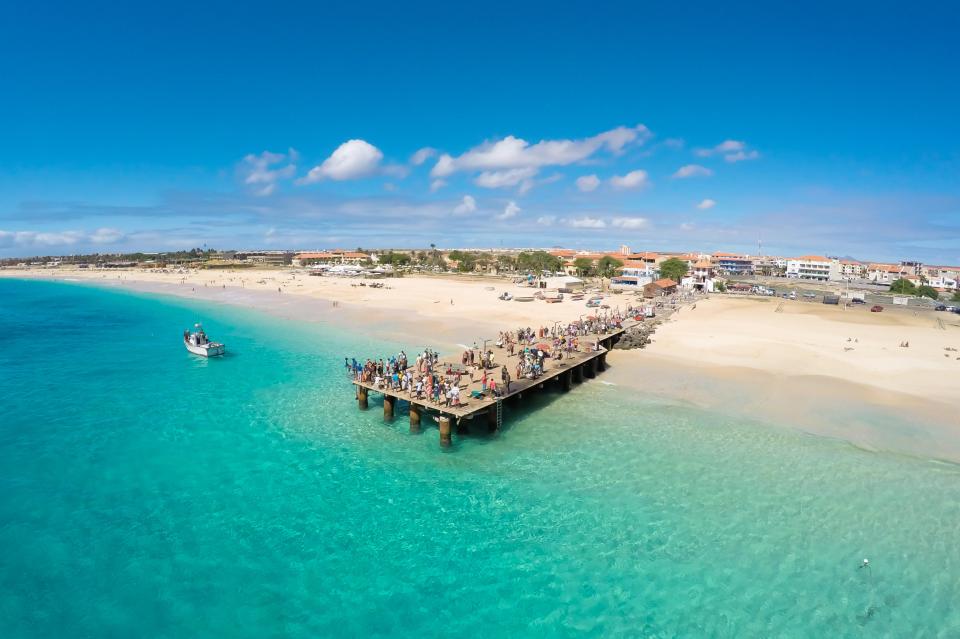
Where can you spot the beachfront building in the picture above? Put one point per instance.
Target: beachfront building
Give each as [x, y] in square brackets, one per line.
[732, 264]
[330, 258]
[634, 275]
[647, 257]
[660, 288]
[270, 258]
[945, 278]
[852, 270]
[699, 277]
[770, 266]
[813, 267]
[886, 273]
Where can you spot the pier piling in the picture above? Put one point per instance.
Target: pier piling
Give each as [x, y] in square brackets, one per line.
[388, 407]
[362, 397]
[444, 430]
[492, 418]
[414, 418]
[577, 374]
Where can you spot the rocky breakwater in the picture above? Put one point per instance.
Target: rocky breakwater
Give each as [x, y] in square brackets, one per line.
[637, 336]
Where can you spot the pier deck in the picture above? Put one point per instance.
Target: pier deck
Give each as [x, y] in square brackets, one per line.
[574, 367]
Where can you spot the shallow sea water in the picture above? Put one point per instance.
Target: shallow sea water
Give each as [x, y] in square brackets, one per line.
[145, 492]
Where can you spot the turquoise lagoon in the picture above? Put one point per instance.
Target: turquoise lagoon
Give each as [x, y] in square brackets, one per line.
[148, 493]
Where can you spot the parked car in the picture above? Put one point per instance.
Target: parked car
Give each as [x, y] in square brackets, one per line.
[857, 300]
[941, 307]
[876, 308]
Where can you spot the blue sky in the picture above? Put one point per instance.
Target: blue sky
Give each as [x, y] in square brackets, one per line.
[821, 127]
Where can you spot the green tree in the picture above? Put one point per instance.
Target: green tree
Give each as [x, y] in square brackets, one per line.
[466, 261]
[928, 291]
[673, 269]
[608, 266]
[506, 262]
[719, 287]
[538, 262]
[584, 266]
[903, 286]
[956, 297]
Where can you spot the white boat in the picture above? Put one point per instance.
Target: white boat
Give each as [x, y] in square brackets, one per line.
[198, 343]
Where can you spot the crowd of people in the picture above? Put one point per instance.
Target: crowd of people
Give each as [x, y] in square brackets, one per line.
[431, 380]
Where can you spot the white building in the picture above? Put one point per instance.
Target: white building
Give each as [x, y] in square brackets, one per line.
[813, 267]
[885, 273]
[852, 270]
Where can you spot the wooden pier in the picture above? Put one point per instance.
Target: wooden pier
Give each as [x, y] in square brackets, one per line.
[487, 410]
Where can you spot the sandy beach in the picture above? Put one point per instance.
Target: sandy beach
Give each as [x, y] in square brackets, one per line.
[448, 309]
[826, 369]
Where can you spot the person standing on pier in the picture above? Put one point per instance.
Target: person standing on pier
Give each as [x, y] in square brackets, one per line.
[505, 377]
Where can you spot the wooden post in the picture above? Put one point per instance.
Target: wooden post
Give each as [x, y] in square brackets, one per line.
[591, 368]
[444, 431]
[577, 372]
[492, 418]
[566, 380]
[414, 419]
[388, 407]
[602, 362]
[362, 397]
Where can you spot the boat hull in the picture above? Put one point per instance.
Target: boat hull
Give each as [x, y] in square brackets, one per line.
[213, 349]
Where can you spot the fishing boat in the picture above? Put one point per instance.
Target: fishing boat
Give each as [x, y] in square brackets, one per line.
[198, 343]
[523, 298]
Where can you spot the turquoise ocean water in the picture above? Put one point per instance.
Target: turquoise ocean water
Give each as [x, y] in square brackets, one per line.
[148, 493]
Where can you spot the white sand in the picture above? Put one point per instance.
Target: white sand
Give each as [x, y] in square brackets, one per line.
[448, 309]
[813, 339]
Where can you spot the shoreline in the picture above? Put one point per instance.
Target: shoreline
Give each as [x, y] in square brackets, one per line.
[736, 356]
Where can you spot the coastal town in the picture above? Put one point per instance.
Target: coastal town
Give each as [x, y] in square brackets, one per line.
[655, 273]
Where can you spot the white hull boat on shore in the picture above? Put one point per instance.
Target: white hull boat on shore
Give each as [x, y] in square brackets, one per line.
[198, 344]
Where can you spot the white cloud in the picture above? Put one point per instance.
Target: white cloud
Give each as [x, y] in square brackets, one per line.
[731, 150]
[739, 156]
[262, 171]
[587, 222]
[707, 204]
[47, 239]
[353, 159]
[630, 223]
[106, 236]
[468, 205]
[588, 183]
[687, 226]
[436, 185]
[546, 220]
[516, 153]
[509, 211]
[505, 178]
[692, 170]
[632, 180]
[422, 155]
